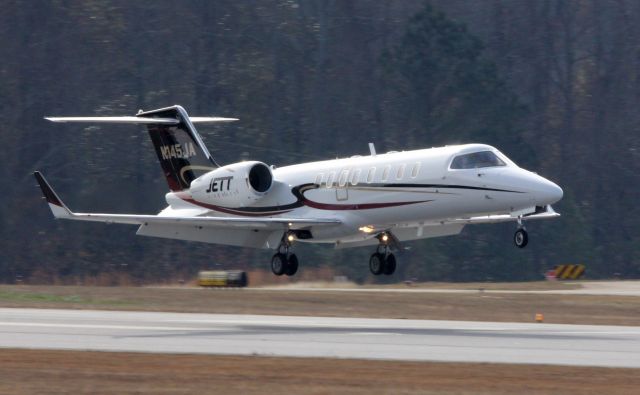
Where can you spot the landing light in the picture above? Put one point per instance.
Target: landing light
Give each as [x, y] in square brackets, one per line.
[385, 237]
[366, 229]
[291, 237]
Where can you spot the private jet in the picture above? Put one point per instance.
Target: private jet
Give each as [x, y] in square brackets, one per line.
[377, 200]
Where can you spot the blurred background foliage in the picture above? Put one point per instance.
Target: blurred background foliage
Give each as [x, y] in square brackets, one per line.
[555, 84]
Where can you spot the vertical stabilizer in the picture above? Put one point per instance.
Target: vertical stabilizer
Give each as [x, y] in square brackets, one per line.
[181, 152]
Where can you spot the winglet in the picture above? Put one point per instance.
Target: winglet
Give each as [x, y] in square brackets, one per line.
[59, 209]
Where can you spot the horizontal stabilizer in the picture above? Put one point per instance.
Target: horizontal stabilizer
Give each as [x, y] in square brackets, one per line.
[211, 119]
[138, 120]
[60, 210]
[181, 151]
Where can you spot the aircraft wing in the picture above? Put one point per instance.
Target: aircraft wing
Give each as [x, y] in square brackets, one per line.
[453, 226]
[545, 212]
[60, 210]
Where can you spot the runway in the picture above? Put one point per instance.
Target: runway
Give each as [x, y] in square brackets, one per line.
[393, 339]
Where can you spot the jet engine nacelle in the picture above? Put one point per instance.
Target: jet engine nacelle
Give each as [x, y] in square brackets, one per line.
[235, 185]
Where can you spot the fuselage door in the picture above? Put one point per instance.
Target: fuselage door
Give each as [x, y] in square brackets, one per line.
[342, 186]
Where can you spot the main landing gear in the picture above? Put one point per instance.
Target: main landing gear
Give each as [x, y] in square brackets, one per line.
[284, 262]
[383, 261]
[521, 237]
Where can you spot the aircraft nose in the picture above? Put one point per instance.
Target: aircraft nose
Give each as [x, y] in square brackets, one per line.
[548, 192]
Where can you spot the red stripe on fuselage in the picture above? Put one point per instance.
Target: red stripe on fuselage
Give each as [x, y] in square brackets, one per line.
[229, 210]
[270, 211]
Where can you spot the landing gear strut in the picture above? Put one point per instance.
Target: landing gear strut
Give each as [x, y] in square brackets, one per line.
[383, 261]
[521, 238]
[284, 262]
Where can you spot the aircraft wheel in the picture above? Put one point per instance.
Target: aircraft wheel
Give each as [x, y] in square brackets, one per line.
[279, 264]
[521, 238]
[292, 265]
[376, 263]
[390, 265]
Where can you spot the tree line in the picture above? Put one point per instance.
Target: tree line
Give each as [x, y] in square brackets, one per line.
[554, 84]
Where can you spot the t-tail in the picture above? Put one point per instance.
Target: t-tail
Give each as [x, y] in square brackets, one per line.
[180, 149]
[181, 152]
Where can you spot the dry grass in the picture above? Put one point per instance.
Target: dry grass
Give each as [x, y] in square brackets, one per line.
[521, 286]
[477, 306]
[75, 372]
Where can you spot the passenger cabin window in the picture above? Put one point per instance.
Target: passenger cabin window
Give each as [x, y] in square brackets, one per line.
[476, 160]
[342, 181]
[415, 170]
[355, 177]
[330, 178]
[400, 173]
[371, 175]
[385, 173]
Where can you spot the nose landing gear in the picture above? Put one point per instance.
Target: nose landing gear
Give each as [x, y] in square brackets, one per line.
[383, 261]
[284, 262]
[521, 237]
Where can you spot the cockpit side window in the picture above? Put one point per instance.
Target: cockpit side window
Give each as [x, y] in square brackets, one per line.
[476, 160]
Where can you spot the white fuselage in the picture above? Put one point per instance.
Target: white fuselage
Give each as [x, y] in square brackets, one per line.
[409, 189]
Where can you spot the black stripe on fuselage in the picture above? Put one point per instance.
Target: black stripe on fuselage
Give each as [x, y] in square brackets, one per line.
[441, 186]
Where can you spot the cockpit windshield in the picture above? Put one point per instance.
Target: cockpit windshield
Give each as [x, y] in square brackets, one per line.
[476, 160]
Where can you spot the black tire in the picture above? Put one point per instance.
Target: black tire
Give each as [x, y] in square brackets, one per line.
[279, 264]
[376, 263]
[390, 265]
[292, 265]
[521, 238]
[244, 280]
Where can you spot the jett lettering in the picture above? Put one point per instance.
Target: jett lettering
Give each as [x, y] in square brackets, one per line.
[218, 184]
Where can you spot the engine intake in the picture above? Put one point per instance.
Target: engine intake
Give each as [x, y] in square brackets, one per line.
[260, 177]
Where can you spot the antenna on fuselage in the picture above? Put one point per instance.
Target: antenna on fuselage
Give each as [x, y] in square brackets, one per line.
[372, 149]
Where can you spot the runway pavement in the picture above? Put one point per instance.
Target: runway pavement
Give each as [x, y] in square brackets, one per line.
[422, 340]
